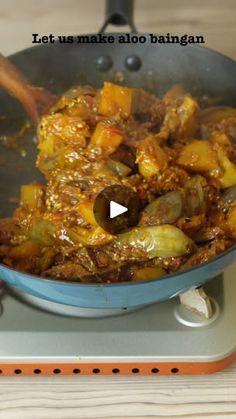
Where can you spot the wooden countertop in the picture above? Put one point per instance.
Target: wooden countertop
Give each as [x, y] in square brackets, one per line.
[211, 396]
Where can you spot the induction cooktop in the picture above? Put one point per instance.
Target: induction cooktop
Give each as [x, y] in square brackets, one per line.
[164, 338]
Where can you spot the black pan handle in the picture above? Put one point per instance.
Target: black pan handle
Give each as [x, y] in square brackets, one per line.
[119, 13]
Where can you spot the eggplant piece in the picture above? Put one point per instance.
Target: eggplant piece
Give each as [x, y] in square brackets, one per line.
[125, 154]
[164, 210]
[208, 234]
[118, 168]
[150, 242]
[222, 118]
[207, 252]
[195, 200]
[216, 114]
[228, 197]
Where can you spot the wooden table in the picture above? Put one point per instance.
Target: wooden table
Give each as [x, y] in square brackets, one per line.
[116, 397]
[212, 396]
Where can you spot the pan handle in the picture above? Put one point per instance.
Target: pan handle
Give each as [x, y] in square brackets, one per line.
[119, 13]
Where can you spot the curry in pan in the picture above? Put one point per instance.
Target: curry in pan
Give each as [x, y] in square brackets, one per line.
[176, 152]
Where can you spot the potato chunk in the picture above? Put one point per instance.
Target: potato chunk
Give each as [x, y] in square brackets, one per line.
[115, 100]
[32, 195]
[187, 117]
[47, 147]
[145, 274]
[181, 121]
[24, 250]
[107, 137]
[229, 177]
[151, 158]
[199, 157]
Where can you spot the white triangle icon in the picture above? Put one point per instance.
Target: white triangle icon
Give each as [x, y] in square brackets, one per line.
[116, 209]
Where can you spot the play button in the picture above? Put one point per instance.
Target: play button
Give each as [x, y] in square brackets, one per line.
[117, 209]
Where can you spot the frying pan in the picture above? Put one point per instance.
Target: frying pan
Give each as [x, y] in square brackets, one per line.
[151, 66]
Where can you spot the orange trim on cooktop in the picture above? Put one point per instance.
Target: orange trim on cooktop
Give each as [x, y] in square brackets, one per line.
[120, 368]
